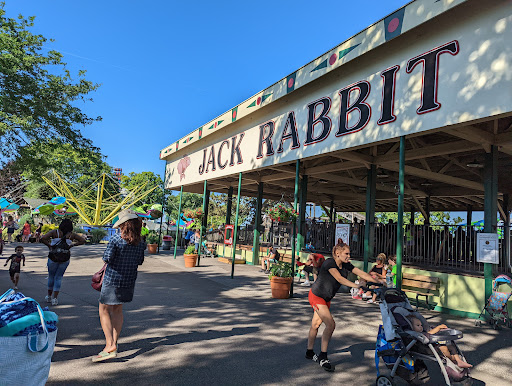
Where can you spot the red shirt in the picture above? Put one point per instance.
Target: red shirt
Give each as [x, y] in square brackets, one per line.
[26, 229]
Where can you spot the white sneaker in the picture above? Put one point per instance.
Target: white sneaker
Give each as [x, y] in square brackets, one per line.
[306, 284]
[48, 299]
[15, 287]
[54, 301]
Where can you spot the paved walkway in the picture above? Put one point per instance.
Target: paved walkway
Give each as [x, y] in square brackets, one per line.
[198, 326]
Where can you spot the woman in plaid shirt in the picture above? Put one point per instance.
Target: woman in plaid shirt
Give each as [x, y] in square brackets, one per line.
[123, 255]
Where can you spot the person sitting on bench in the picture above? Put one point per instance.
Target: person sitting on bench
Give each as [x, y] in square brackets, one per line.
[312, 265]
[272, 257]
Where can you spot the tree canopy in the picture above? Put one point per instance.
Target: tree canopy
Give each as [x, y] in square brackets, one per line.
[133, 180]
[38, 94]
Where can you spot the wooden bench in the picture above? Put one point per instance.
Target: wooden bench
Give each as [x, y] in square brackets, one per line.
[420, 285]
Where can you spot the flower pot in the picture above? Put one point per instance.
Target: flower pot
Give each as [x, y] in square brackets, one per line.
[190, 260]
[280, 287]
[152, 248]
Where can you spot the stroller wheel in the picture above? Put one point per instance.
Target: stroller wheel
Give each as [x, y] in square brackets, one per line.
[384, 380]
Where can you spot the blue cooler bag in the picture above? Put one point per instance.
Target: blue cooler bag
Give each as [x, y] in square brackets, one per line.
[27, 340]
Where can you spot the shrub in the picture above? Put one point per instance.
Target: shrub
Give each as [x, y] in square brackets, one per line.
[48, 227]
[78, 229]
[97, 235]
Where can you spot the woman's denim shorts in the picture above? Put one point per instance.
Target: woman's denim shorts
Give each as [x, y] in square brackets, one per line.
[112, 295]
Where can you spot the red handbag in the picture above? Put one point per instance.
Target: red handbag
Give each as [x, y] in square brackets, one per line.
[97, 278]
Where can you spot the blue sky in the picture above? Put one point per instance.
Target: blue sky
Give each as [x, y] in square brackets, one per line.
[167, 67]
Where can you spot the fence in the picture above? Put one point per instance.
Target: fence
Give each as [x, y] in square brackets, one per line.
[449, 247]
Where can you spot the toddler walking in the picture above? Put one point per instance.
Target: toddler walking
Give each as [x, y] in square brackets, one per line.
[15, 267]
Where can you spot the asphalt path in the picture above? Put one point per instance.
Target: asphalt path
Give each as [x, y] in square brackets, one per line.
[197, 326]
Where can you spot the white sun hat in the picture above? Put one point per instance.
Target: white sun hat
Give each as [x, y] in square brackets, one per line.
[124, 216]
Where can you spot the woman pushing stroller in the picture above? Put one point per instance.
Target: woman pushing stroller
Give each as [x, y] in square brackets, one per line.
[333, 273]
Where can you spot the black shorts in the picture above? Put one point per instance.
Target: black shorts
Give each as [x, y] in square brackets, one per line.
[311, 269]
[12, 272]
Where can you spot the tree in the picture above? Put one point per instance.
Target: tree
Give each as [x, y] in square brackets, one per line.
[76, 166]
[133, 180]
[436, 218]
[37, 92]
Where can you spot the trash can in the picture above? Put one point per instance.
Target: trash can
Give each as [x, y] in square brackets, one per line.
[166, 244]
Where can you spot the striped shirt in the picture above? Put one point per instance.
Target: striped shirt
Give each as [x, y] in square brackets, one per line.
[122, 261]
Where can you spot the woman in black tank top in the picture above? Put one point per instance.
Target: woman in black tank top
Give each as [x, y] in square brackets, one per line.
[333, 273]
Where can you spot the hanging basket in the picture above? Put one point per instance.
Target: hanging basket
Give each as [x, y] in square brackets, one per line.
[283, 213]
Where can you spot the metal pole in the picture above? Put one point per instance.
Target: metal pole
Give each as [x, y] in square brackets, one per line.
[371, 181]
[257, 225]
[163, 215]
[178, 223]
[400, 225]
[296, 199]
[228, 215]
[203, 221]
[235, 233]
[490, 207]
[301, 240]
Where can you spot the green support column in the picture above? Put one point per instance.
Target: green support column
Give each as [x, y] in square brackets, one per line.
[301, 228]
[257, 225]
[490, 207]
[400, 225]
[294, 237]
[371, 188]
[163, 213]
[206, 200]
[178, 223]
[235, 233]
[228, 214]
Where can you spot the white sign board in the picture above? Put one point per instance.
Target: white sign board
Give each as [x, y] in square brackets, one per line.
[343, 233]
[449, 76]
[487, 248]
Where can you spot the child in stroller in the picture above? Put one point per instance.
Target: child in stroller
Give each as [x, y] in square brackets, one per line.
[404, 344]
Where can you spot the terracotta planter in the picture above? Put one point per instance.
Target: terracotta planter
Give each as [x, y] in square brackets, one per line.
[280, 287]
[190, 260]
[152, 248]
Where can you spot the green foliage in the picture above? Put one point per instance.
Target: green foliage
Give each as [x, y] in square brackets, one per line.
[37, 92]
[436, 218]
[97, 234]
[191, 250]
[78, 229]
[133, 180]
[24, 218]
[76, 166]
[47, 228]
[281, 269]
[152, 237]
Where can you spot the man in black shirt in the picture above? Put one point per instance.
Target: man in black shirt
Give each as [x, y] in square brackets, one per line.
[333, 273]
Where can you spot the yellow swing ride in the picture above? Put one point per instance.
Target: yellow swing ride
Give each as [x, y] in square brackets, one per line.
[101, 201]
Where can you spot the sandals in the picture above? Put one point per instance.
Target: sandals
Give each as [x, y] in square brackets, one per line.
[103, 356]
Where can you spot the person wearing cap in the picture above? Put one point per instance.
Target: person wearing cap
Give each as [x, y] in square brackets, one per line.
[123, 255]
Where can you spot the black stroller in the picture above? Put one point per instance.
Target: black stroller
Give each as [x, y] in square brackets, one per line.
[405, 351]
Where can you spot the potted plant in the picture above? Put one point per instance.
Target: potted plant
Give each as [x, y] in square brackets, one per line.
[152, 241]
[190, 256]
[281, 280]
[283, 213]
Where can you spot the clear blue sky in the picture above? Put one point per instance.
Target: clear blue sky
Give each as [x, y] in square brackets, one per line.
[167, 67]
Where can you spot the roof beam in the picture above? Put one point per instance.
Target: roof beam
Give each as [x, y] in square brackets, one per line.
[429, 151]
[432, 176]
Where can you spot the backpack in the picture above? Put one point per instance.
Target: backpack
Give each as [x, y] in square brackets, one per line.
[59, 253]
